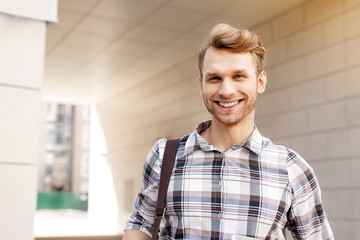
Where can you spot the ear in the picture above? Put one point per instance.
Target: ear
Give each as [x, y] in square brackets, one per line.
[262, 80]
[201, 86]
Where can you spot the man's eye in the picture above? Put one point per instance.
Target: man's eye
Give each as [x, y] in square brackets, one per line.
[214, 78]
[239, 76]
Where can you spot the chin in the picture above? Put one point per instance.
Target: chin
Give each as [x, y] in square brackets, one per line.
[228, 122]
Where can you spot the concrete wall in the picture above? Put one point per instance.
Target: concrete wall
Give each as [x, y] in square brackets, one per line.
[313, 100]
[312, 105]
[22, 45]
[168, 105]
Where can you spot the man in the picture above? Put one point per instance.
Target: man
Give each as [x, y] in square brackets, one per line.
[228, 181]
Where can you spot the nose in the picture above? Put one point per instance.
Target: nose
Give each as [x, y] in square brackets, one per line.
[227, 89]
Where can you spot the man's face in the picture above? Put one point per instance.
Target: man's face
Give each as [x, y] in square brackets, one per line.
[229, 85]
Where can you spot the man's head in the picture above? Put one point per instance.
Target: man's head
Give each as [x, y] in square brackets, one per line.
[223, 36]
[231, 75]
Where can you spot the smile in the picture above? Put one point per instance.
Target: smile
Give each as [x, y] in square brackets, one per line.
[228, 104]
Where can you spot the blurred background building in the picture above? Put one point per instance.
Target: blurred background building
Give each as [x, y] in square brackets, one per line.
[64, 163]
[134, 63]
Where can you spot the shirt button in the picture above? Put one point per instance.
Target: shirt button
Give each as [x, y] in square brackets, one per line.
[219, 215]
[220, 183]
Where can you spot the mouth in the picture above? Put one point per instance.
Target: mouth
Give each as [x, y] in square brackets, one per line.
[227, 104]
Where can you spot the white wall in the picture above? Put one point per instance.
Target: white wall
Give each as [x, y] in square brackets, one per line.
[22, 44]
[312, 104]
[34, 9]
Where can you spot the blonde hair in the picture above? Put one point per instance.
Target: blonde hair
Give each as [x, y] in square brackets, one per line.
[224, 36]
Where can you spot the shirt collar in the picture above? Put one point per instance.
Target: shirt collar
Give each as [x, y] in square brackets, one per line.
[195, 141]
[254, 142]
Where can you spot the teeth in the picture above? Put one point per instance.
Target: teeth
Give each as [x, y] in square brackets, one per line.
[228, 105]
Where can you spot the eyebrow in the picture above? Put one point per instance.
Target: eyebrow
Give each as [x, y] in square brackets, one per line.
[240, 71]
[209, 74]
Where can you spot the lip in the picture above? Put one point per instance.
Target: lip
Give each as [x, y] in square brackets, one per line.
[228, 101]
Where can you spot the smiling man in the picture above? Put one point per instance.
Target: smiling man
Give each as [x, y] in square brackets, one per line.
[228, 181]
[229, 85]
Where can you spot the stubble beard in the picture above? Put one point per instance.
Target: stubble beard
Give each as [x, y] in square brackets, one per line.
[240, 117]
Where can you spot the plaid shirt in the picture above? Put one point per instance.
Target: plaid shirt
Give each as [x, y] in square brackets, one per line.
[256, 189]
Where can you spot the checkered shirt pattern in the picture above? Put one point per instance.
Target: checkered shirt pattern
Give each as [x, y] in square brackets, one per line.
[256, 189]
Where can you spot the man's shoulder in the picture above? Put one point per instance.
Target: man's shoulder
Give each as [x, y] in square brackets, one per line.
[294, 162]
[160, 145]
[270, 147]
[286, 154]
[287, 159]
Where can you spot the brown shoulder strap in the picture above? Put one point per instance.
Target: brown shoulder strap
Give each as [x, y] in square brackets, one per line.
[166, 169]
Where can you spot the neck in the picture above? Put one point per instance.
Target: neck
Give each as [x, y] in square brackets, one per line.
[223, 136]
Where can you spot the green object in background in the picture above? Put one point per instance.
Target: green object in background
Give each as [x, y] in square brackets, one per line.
[62, 200]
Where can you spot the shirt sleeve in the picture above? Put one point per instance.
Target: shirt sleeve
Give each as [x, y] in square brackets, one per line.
[306, 217]
[143, 214]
